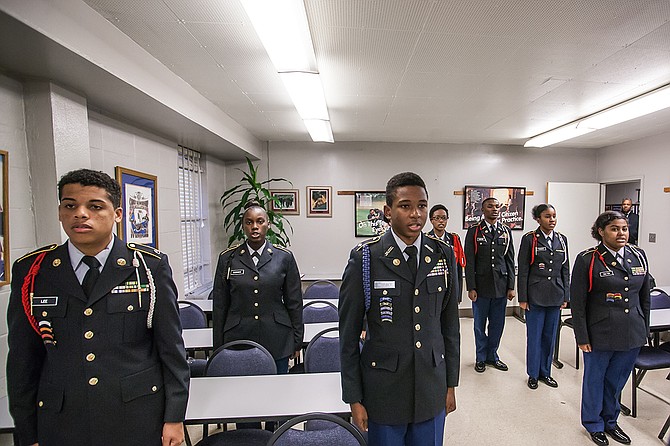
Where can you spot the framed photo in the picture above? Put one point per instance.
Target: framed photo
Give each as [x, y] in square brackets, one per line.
[319, 201]
[512, 205]
[285, 201]
[139, 203]
[369, 218]
[4, 219]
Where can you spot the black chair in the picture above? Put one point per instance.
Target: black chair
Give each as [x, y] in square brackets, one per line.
[319, 311]
[323, 352]
[322, 289]
[191, 315]
[567, 322]
[666, 426]
[650, 358]
[341, 434]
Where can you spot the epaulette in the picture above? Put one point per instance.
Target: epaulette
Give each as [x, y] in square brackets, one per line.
[283, 248]
[432, 237]
[529, 232]
[368, 242]
[37, 251]
[230, 248]
[144, 249]
[455, 235]
[588, 251]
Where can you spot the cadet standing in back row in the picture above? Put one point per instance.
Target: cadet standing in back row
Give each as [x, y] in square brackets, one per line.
[489, 277]
[96, 355]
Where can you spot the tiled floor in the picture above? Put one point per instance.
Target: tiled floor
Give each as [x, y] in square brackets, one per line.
[497, 408]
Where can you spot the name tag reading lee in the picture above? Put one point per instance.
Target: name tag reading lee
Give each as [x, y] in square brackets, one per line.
[384, 284]
[45, 301]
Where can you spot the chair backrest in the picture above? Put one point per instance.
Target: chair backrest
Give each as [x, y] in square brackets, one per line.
[659, 299]
[191, 315]
[322, 289]
[241, 358]
[343, 434]
[323, 352]
[319, 311]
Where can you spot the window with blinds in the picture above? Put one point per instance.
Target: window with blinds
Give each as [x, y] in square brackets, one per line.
[192, 218]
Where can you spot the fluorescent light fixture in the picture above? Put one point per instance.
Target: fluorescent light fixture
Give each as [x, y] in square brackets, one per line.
[319, 130]
[644, 104]
[283, 29]
[306, 92]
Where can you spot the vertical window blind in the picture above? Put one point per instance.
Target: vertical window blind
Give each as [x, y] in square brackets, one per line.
[192, 218]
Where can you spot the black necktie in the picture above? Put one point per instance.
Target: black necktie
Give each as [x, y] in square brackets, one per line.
[549, 243]
[91, 275]
[411, 258]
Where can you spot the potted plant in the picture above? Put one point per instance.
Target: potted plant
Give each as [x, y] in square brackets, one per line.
[250, 189]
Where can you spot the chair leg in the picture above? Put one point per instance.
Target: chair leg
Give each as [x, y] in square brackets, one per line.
[666, 426]
[187, 437]
[557, 363]
[635, 383]
[576, 356]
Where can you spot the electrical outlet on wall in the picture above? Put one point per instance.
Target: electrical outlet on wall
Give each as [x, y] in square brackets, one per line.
[652, 237]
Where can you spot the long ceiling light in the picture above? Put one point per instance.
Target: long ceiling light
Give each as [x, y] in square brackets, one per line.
[283, 29]
[633, 108]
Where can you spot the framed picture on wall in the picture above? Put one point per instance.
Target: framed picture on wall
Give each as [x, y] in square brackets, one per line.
[139, 203]
[4, 220]
[285, 201]
[369, 214]
[512, 205]
[319, 201]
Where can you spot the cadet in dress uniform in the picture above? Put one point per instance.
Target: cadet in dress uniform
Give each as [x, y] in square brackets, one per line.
[96, 355]
[402, 383]
[439, 217]
[610, 311]
[258, 300]
[489, 277]
[544, 288]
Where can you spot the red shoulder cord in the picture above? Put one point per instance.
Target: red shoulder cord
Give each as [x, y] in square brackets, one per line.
[533, 247]
[593, 259]
[476, 232]
[27, 290]
[458, 250]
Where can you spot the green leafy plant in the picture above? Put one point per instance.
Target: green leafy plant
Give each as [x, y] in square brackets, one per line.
[250, 189]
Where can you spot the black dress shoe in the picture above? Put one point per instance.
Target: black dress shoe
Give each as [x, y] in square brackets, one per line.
[548, 380]
[532, 383]
[480, 366]
[498, 364]
[618, 434]
[599, 438]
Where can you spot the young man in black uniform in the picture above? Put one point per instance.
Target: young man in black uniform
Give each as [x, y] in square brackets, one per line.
[96, 355]
[402, 384]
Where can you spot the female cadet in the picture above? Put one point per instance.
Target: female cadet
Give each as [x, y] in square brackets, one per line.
[544, 288]
[257, 293]
[610, 308]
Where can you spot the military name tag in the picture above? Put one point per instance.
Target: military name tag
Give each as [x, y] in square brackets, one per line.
[541, 248]
[384, 284]
[606, 273]
[45, 301]
[481, 239]
[236, 272]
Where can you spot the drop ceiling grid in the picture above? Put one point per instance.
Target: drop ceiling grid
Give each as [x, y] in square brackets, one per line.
[632, 66]
[231, 45]
[207, 11]
[658, 39]
[407, 15]
[147, 10]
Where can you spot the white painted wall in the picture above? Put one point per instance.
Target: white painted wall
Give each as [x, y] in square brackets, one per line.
[114, 143]
[648, 159]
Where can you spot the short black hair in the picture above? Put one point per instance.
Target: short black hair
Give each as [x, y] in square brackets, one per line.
[88, 177]
[487, 199]
[253, 204]
[401, 180]
[540, 208]
[603, 220]
[436, 208]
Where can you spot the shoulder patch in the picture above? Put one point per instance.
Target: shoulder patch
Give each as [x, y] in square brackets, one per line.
[529, 233]
[37, 251]
[367, 242]
[588, 251]
[283, 248]
[230, 248]
[144, 249]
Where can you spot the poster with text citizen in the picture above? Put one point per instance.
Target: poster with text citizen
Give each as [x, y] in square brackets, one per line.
[512, 205]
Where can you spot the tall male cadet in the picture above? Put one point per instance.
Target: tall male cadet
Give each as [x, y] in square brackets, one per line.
[402, 384]
[489, 277]
[96, 355]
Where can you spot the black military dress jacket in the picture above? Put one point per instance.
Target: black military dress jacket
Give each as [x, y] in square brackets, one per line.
[98, 375]
[261, 303]
[544, 271]
[412, 353]
[489, 267]
[610, 303]
[451, 239]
